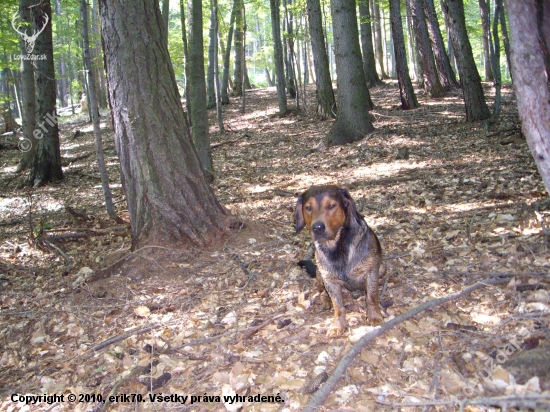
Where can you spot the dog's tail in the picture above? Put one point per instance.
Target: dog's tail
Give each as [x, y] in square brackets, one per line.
[309, 266]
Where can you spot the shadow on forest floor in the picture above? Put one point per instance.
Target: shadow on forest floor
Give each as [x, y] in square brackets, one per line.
[465, 205]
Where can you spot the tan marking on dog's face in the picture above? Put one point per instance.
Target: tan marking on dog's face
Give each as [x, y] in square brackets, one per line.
[326, 209]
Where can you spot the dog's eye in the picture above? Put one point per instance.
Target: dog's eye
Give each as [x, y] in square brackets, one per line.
[308, 208]
[331, 206]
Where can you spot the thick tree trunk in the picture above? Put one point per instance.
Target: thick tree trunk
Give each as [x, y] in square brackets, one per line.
[239, 26]
[46, 165]
[324, 92]
[29, 142]
[278, 55]
[95, 113]
[530, 80]
[444, 69]
[199, 115]
[474, 99]
[169, 200]
[352, 122]
[486, 28]
[369, 64]
[432, 85]
[408, 98]
[227, 56]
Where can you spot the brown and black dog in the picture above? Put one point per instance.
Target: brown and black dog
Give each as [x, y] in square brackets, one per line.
[347, 251]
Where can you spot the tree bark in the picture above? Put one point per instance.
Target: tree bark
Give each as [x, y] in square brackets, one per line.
[474, 99]
[432, 85]
[46, 165]
[199, 115]
[95, 114]
[169, 200]
[323, 82]
[486, 28]
[29, 143]
[369, 64]
[353, 121]
[408, 98]
[530, 81]
[278, 55]
[444, 69]
[166, 18]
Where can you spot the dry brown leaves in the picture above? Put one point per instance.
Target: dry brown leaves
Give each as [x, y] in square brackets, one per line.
[243, 319]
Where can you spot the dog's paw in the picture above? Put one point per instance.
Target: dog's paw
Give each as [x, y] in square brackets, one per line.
[336, 329]
[374, 317]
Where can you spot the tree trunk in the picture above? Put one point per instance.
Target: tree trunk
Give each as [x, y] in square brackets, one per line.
[227, 56]
[416, 54]
[444, 69]
[378, 49]
[95, 114]
[212, 53]
[369, 64]
[169, 200]
[219, 113]
[432, 84]
[543, 15]
[530, 81]
[186, 66]
[238, 72]
[278, 55]
[505, 39]
[391, 52]
[352, 122]
[495, 60]
[323, 83]
[29, 142]
[101, 86]
[486, 28]
[46, 165]
[268, 78]
[408, 98]
[199, 115]
[287, 53]
[474, 100]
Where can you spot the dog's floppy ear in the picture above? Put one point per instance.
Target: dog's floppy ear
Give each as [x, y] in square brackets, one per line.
[300, 222]
[348, 201]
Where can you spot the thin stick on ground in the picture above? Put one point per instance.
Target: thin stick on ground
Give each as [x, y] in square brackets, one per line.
[322, 394]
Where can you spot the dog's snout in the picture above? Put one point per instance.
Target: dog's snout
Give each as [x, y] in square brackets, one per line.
[318, 228]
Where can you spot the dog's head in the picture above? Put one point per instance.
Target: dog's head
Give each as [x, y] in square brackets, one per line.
[324, 210]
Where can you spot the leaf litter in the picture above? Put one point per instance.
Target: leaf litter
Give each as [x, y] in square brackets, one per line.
[464, 204]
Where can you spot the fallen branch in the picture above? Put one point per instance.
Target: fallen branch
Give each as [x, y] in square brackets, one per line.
[126, 336]
[213, 146]
[514, 401]
[322, 394]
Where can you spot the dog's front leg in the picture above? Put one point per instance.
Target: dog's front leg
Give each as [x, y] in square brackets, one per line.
[334, 290]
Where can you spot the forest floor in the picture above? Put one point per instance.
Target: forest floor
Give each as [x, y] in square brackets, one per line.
[464, 205]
